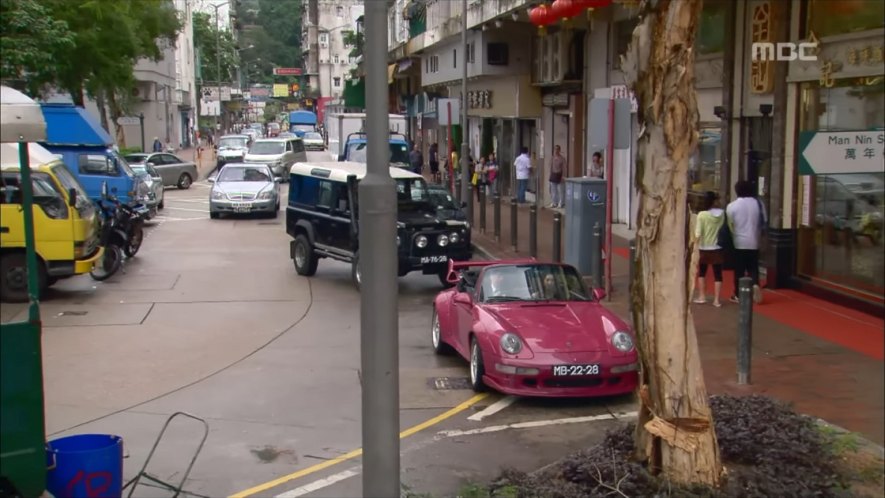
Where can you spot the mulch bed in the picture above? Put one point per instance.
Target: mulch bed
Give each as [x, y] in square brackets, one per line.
[767, 449]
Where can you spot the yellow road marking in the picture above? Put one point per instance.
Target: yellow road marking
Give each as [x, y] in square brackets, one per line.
[357, 452]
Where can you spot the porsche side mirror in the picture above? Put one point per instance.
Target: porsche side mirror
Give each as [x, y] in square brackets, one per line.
[599, 294]
[462, 298]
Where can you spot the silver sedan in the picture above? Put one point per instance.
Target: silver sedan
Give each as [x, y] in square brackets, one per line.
[172, 169]
[244, 188]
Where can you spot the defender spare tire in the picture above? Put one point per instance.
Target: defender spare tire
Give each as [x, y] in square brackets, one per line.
[305, 259]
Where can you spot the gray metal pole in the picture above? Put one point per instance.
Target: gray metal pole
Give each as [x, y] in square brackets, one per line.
[379, 326]
[533, 231]
[745, 329]
[557, 237]
[596, 256]
[482, 210]
[514, 224]
[217, 68]
[497, 216]
[465, 140]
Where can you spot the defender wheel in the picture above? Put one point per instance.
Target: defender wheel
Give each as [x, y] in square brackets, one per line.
[355, 273]
[305, 260]
[14, 278]
[477, 369]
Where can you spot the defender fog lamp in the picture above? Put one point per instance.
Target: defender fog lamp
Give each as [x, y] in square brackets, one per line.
[443, 240]
[421, 241]
[454, 237]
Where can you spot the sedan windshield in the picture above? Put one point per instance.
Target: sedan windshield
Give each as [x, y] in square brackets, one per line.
[312, 135]
[533, 283]
[233, 143]
[244, 174]
[267, 148]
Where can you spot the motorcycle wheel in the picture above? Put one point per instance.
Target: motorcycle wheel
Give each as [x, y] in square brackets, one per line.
[110, 262]
[134, 242]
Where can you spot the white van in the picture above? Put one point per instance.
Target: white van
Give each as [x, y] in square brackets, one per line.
[278, 153]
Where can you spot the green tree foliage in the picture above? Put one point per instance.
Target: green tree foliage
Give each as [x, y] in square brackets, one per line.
[31, 41]
[97, 54]
[274, 28]
[207, 41]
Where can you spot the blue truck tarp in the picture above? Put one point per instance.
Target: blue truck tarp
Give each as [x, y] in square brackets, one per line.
[303, 118]
[67, 124]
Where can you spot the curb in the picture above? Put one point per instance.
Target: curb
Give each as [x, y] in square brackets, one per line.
[483, 252]
[879, 450]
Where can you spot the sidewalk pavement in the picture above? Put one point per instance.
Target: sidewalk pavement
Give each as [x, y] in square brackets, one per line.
[825, 359]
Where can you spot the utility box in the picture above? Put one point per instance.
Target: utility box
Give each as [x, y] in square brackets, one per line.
[585, 204]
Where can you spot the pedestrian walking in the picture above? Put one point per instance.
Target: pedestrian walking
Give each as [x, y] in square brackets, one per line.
[481, 178]
[709, 222]
[523, 166]
[557, 170]
[747, 222]
[157, 146]
[416, 159]
[596, 169]
[492, 166]
[434, 162]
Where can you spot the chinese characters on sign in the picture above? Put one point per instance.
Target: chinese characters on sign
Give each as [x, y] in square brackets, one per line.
[866, 56]
[761, 80]
[480, 99]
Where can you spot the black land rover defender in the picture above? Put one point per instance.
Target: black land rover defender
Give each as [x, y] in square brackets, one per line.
[322, 218]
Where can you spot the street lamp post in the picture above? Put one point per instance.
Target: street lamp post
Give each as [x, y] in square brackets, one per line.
[465, 137]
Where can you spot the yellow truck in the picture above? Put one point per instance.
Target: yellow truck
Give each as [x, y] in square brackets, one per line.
[66, 223]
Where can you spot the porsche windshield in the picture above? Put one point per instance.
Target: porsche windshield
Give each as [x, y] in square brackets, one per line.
[533, 283]
[399, 153]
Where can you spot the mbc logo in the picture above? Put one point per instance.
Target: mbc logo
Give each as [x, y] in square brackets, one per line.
[765, 51]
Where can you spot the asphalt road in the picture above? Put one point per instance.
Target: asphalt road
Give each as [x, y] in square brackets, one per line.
[211, 319]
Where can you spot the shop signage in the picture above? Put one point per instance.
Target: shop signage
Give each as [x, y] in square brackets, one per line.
[480, 99]
[761, 81]
[287, 71]
[786, 51]
[825, 153]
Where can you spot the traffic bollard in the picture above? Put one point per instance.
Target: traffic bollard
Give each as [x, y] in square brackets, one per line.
[632, 265]
[557, 238]
[745, 329]
[533, 231]
[513, 224]
[469, 200]
[457, 192]
[482, 210]
[596, 256]
[497, 216]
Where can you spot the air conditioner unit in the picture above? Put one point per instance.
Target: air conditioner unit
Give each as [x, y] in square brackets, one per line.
[557, 53]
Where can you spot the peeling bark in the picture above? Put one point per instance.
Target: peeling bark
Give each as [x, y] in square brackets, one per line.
[675, 434]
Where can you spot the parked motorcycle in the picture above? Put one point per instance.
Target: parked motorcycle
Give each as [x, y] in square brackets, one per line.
[122, 232]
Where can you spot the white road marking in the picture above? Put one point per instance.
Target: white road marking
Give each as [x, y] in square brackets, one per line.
[536, 423]
[187, 209]
[320, 484]
[493, 408]
[163, 220]
[191, 199]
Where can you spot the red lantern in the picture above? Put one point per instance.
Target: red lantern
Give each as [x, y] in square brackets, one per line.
[541, 17]
[564, 9]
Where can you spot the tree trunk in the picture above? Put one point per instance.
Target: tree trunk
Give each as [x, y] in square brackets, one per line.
[102, 110]
[675, 434]
[116, 113]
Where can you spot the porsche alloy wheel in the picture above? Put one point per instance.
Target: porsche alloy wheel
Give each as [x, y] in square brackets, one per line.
[439, 347]
[477, 370]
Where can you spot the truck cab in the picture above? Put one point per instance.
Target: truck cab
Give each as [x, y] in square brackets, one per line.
[87, 150]
[355, 149]
[66, 223]
[301, 122]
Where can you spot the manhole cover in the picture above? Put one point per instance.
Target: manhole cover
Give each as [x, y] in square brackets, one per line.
[73, 313]
[449, 383]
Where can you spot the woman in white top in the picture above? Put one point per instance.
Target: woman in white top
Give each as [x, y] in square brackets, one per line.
[747, 221]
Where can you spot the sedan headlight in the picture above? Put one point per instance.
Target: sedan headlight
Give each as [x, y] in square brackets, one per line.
[622, 341]
[421, 241]
[217, 195]
[443, 240]
[511, 343]
[267, 194]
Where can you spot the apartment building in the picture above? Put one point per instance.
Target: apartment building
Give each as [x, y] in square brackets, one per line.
[807, 133]
[327, 55]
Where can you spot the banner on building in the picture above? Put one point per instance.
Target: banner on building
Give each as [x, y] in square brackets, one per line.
[280, 90]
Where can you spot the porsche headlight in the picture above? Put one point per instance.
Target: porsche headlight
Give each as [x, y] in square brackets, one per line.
[421, 241]
[622, 341]
[217, 195]
[511, 343]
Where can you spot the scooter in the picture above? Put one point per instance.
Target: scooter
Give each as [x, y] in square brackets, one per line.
[122, 232]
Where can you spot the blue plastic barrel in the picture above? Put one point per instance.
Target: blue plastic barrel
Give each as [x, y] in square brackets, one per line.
[85, 466]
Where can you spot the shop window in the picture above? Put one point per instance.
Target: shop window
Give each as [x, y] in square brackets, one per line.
[705, 166]
[840, 214]
[711, 31]
[828, 17]
[337, 82]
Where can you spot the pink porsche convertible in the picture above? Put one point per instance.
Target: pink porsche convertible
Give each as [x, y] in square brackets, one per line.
[533, 329]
